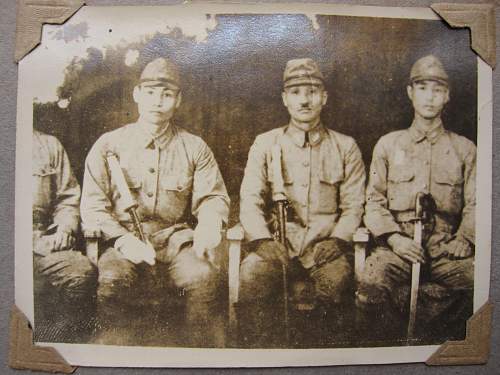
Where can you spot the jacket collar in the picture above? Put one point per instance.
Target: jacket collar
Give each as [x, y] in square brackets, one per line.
[299, 136]
[160, 140]
[418, 133]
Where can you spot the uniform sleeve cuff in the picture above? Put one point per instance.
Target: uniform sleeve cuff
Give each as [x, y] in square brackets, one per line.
[113, 234]
[344, 235]
[381, 230]
[69, 225]
[382, 239]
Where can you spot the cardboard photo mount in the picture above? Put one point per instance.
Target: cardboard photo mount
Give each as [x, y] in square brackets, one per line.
[24, 355]
[32, 14]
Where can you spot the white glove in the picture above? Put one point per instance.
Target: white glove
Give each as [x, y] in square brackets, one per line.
[207, 236]
[135, 250]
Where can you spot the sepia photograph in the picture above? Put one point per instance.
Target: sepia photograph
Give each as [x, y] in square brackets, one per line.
[252, 177]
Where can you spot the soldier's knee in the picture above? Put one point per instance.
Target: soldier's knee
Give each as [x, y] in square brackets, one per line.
[115, 281]
[370, 295]
[334, 282]
[250, 266]
[372, 288]
[202, 275]
[70, 272]
[256, 271]
[331, 294]
[83, 270]
[467, 271]
[375, 272]
[258, 278]
[469, 279]
[191, 273]
[455, 274]
[463, 278]
[254, 267]
[85, 280]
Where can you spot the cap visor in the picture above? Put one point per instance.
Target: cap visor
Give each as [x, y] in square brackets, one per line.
[301, 81]
[159, 83]
[430, 78]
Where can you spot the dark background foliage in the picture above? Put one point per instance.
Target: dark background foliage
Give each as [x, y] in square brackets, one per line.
[232, 82]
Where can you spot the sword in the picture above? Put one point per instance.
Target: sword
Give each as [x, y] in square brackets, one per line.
[129, 202]
[281, 201]
[415, 268]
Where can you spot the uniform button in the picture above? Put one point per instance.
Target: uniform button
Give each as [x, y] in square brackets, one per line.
[304, 205]
[150, 194]
[304, 184]
[425, 186]
[426, 162]
[152, 170]
[305, 164]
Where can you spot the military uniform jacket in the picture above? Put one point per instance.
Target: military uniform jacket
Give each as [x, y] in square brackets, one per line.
[324, 182]
[56, 193]
[171, 177]
[409, 161]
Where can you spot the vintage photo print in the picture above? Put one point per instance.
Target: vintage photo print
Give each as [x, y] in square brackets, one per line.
[206, 178]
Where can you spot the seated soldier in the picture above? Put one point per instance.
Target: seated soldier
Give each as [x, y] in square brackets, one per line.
[440, 165]
[64, 279]
[322, 176]
[172, 175]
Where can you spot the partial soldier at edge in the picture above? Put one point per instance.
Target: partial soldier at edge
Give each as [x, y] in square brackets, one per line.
[64, 278]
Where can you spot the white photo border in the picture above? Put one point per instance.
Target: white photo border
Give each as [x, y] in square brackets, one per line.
[116, 356]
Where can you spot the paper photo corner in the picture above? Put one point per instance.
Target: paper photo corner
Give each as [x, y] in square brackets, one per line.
[475, 349]
[479, 19]
[32, 14]
[25, 355]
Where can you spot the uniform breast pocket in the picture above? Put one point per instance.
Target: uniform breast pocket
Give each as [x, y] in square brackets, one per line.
[176, 194]
[329, 184]
[43, 186]
[448, 191]
[400, 188]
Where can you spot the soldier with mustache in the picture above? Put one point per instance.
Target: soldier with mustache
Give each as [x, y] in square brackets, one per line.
[324, 177]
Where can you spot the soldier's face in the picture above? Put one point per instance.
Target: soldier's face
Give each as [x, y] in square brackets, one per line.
[428, 98]
[156, 104]
[304, 103]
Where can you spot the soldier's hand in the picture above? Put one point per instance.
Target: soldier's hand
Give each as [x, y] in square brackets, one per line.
[135, 250]
[206, 237]
[328, 250]
[63, 240]
[457, 249]
[271, 250]
[406, 248]
[42, 245]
